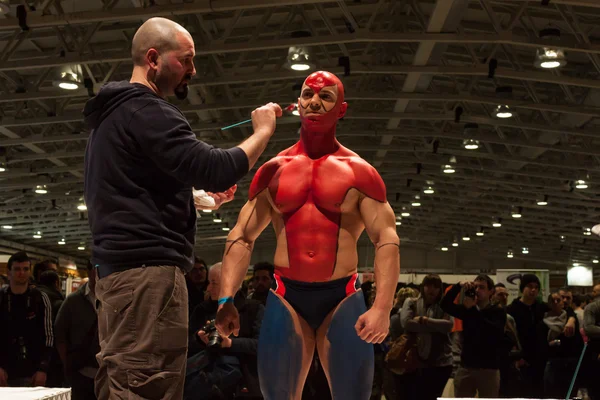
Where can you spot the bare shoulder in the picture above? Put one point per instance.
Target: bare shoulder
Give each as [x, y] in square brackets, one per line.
[368, 181]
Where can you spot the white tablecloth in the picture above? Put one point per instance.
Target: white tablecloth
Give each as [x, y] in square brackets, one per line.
[37, 393]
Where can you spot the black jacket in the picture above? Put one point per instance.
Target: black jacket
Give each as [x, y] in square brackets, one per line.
[528, 319]
[56, 299]
[141, 162]
[483, 331]
[26, 334]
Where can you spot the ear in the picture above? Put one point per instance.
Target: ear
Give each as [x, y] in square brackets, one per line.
[152, 58]
[343, 109]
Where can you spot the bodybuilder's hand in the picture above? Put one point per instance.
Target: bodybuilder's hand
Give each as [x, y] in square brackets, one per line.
[263, 118]
[228, 320]
[219, 198]
[373, 326]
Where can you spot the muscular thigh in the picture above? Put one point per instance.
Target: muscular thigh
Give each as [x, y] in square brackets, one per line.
[285, 350]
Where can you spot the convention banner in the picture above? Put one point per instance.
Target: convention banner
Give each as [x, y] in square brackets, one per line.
[512, 279]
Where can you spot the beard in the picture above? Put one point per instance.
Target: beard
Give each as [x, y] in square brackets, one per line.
[181, 91]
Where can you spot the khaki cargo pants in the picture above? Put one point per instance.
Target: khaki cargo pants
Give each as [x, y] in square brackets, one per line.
[142, 325]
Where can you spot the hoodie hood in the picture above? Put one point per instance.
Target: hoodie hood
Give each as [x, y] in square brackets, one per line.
[110, 96]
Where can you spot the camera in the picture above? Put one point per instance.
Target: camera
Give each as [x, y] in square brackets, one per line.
[214, 339]
[471, 293]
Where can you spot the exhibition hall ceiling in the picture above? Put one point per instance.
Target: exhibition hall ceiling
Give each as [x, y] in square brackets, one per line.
[504, 93]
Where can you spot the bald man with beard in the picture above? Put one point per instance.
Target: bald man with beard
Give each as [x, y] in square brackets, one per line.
[141, 163]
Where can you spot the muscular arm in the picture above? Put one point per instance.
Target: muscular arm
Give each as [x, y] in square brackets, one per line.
[380, 224]
[253, 219]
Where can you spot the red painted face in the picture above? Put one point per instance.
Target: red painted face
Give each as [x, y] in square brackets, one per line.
[321, 101]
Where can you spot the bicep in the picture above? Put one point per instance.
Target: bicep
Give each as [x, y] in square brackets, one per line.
[379, 220]
[254, 217]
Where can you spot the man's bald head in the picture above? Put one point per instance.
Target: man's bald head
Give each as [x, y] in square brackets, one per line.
[157, 33]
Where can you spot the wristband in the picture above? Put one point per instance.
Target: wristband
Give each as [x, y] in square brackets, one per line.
[224, 300]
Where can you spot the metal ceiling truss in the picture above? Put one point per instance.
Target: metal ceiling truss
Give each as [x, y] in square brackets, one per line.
[413, 64]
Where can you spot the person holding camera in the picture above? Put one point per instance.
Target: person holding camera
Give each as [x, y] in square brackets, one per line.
[483, 331]
[219, 365]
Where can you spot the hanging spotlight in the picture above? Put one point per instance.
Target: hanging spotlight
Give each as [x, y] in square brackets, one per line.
[455, 244]
[398, 223]
[207, 211]
[429, 188]
[62, 241]
[81, 248]
[444, 248]
[516, 212]
[581, 184]
[562, 238]
[470, 130]
[502, 110]
[7, 227]
[497, 222]
[37, 235]
[466, 238]
[525, 250]
[471, 144]
[226, 227]
[69, 77]
[41, 189]
[509, 254]
[416, 202]
[217, 218]
[405, 212]
[595, 261]
[587, 231]
[542, 201]
[450, 168]
[481, 232]
[2, 167]
[82, 207]
[299, 57]
[550, 56]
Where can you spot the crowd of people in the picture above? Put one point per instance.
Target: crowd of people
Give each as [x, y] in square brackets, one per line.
[466, 334]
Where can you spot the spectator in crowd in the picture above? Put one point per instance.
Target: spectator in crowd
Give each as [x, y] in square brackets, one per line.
[579, 303]
[567, 297]
[217, 365]
[424, 317]
[528, 313]
[483, 332]
[591, 326]
[49, 283]
[561, 351]
[26, 336]
[3, 281]
[76, 334]
[262, 277]
[196, 281]
[46, 265]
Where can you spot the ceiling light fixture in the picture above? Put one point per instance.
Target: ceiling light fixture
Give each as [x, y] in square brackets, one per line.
[69, 77]
[471, 144]
[466, 238]
[416, 202]
[41, 189]
[81, 248]
[82, 207]
[525, 250]
[226, 227]
[509, 254]
[444, 248]
[587, 231]
[497, 222]
[516, 212]
[502, 110]
[8, 227]
[429, 190]
[299, 57]
[4, 6]
[450, 168]
[481, 232]
[455, 244]
[62, 241]
[550, 56]
[37, 235]
[398, 223]
[217, 218]
[581, 184]
[542, 201]
[207, 211]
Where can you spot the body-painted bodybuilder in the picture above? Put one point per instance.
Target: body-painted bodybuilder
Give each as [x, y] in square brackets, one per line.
[319, 196]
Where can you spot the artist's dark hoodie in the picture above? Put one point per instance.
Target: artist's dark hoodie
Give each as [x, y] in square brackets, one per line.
[141, 162]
